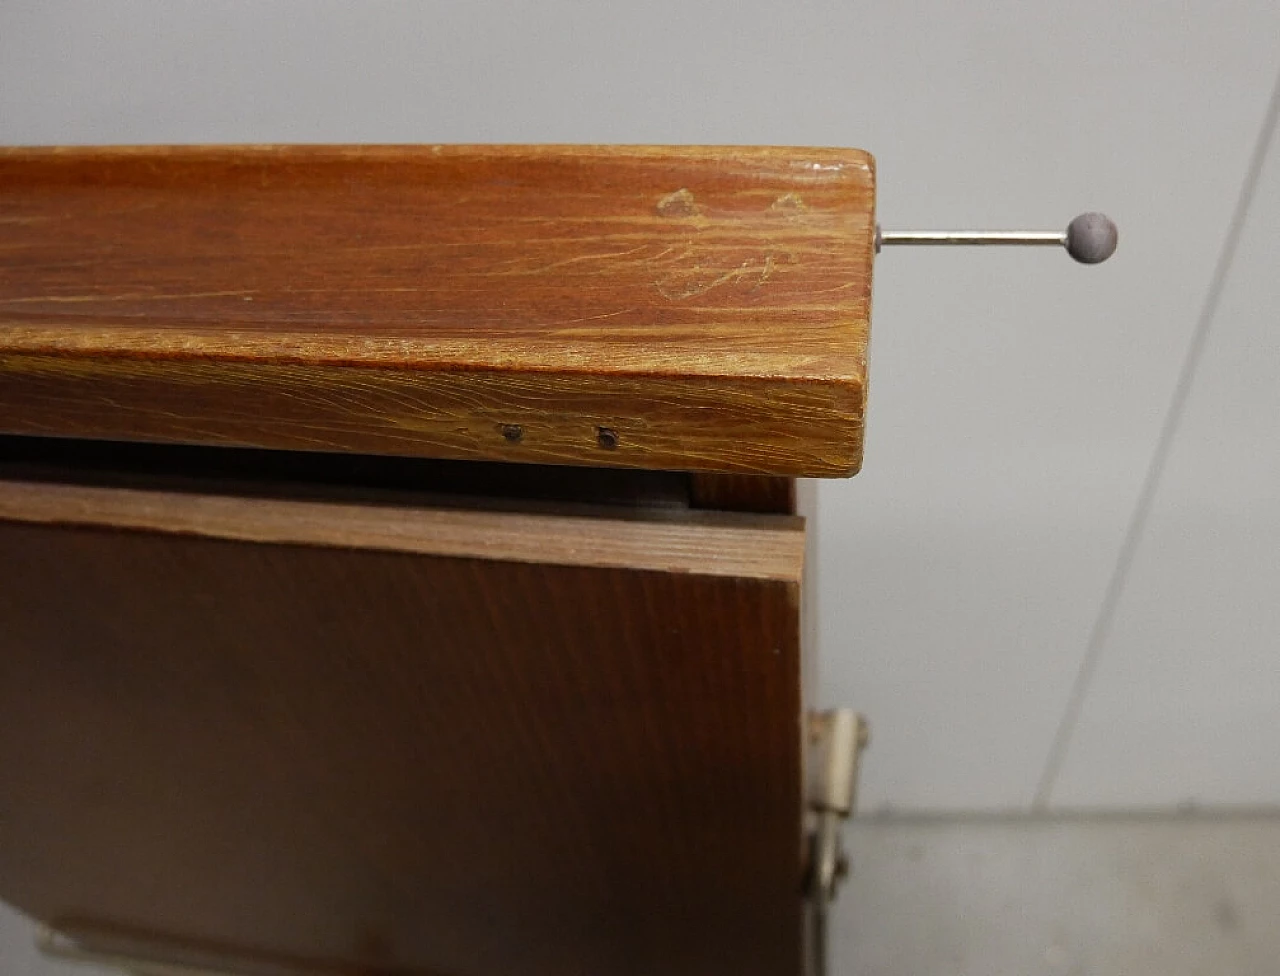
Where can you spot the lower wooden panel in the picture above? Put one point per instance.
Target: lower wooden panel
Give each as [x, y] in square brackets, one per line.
[381, 759]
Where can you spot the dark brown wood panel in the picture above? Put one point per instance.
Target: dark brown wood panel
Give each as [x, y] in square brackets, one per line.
[743, 493]
[691, 308]
[356, 751]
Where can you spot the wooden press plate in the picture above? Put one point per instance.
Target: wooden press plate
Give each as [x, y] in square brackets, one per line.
[691, 308]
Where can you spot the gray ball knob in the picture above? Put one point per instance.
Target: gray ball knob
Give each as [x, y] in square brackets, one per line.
[1092, 238]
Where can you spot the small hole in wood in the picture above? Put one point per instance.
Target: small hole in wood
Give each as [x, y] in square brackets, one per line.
[513, 432]
[608, 437]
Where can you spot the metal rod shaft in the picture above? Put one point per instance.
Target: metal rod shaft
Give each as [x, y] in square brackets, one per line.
[1090, 238]
[982, 238]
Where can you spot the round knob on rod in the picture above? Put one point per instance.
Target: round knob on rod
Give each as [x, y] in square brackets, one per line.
[1090, 238]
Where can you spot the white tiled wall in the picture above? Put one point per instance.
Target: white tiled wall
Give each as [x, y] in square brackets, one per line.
[1016, 398]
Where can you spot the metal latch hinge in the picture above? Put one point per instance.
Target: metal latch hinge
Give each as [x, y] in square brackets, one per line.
[836, 741]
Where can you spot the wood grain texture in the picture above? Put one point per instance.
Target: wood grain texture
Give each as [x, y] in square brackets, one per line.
[708, 543]
[709, 306]
[377, 760]
[743, 493]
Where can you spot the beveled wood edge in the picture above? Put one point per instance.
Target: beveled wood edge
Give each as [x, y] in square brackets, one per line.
[702, 544]
[635, 357]
[446, 414]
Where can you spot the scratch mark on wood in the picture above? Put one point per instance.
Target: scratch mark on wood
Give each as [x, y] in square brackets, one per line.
[679, 204]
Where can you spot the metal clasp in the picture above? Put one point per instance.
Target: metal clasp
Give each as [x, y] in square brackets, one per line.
[836, 741]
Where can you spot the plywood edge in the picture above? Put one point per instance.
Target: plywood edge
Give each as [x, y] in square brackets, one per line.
[710, 544]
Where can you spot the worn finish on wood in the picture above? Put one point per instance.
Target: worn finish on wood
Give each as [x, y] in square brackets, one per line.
[708, 306]
[337, 747]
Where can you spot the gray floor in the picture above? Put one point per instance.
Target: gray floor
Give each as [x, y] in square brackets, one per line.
[1073, 897]
[1130, 897]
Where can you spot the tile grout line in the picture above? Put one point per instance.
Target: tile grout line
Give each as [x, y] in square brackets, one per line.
[1101, 628]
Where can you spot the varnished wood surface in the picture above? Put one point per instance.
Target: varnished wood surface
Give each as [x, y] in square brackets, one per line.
[687, 308]
[344, 747]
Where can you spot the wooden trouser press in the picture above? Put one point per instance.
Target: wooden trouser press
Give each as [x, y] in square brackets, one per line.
[403, 560]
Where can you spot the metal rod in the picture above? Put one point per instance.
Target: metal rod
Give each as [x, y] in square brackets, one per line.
[975, 237]
[1090, 239]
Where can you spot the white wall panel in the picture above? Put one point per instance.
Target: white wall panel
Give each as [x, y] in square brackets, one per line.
[1185, 703]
